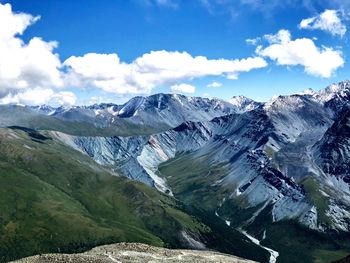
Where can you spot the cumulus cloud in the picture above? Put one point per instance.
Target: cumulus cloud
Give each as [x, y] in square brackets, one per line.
[107, 72]
[31, 69]
[329, 21]
[183, 88]
[39, 96]
[63, 98]
[25, 65]
[317, 61]
[214, 84]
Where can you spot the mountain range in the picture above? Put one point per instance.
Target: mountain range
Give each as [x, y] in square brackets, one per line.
[266, 181]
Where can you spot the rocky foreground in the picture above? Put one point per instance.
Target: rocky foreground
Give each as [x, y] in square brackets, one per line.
[133, 252]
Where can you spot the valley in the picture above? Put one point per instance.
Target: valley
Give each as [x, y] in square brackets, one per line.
[234, 178]
[155, 131]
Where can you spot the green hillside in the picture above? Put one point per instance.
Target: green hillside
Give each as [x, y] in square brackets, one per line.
[55, 199]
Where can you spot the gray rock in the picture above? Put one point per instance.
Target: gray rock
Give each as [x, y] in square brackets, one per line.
[134, 252]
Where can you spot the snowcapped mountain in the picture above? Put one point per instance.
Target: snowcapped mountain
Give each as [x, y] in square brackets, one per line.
[244, 104]
[335, 91]
[172, 109]
[336, 96]
[45, 109]
[268, 149]
[257, 167]
[286, 159]
[154, 113]
[237, 140]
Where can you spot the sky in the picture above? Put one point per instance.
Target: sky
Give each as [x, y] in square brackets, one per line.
[64, 52]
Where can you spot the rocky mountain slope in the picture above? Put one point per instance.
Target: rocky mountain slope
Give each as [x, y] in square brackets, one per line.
[275, 172]
[263, 160]
[136, 253]
[253, 147]
[55, 199]
[141, 115]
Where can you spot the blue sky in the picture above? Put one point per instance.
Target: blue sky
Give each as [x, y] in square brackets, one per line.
[118, 32]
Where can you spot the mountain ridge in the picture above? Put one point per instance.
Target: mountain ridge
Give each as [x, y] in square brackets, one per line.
[275, 172]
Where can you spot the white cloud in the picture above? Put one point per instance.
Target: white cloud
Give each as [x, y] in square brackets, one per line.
[22, 66]
[183, 88]
[63, 98]
[39, 96]
[252, 41]
[15, 23]
[328, 21]
[322, 62]
[214, 84]
[283, 36]
[156, 68]
[28, 97]
[29, 68]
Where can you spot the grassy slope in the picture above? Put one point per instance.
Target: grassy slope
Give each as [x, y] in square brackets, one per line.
[54, 199]
[191, 179]
[298, 244]
[295, 243]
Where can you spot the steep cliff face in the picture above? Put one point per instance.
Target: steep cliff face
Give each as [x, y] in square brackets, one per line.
[333, 148]
[332, 155]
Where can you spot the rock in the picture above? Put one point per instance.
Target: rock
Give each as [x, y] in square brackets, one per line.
[134, 252]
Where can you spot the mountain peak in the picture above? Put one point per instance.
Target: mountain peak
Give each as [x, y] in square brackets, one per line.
[340, 89]
[308, 91]
[239, 99]
[243, 103]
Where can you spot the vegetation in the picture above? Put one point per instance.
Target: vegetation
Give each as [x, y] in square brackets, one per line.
[195, 186]
[294, 242]
[197, 189]
[312, 189]
[54, 199]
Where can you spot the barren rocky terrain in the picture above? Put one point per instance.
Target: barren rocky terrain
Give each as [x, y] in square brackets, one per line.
[134, 252]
